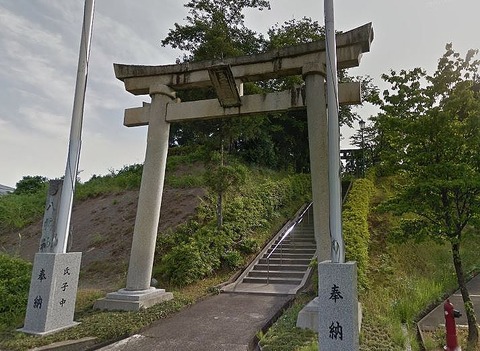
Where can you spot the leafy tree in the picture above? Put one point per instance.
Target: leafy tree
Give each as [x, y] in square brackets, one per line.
[368, 148]
[221, 177]
[430, 129]
[215, 29]
[30, 185]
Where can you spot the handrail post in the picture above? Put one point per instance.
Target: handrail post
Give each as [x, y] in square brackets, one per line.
[268, 270]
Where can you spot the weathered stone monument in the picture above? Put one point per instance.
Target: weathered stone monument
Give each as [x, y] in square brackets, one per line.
[227, 77]
[52, 295]
[53, 285]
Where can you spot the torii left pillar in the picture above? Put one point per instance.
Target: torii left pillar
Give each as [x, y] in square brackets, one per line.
[138, 293]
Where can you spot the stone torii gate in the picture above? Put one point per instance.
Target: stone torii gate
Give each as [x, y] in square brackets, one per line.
[227, 77]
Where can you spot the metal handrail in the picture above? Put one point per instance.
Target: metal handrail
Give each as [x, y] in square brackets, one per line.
[284, 236]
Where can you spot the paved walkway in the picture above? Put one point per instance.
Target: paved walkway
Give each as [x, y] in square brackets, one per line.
[436, 318]
[228, 322]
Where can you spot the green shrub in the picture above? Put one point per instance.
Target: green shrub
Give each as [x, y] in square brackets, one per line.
[355, 226]
[127, 178]
[14, 284]
[30, 185]
[233, 259]
[17, 211]
[188, 262]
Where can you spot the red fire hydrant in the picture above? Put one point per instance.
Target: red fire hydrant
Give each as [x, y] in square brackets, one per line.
[450, 315]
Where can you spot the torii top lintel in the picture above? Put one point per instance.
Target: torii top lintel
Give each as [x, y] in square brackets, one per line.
[273, 64]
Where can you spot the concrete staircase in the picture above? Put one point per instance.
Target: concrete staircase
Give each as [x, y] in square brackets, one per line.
[283, 266]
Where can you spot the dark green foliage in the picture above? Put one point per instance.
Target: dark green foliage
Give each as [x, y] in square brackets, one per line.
[14, 284]
[216, 29]
[355, 226]
[430, 134]
[30, 185]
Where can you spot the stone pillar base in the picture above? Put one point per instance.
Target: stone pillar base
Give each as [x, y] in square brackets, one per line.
[48, 332]
[308, 316]
[132, 300]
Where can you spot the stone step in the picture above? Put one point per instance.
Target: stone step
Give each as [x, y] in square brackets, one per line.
[280, 267]
[293, 249]
[293, 245]
[256, 280]
[303, 229]
[286, 261]
[300, 237]
[294, 238]
[276, 274]
[282, 254]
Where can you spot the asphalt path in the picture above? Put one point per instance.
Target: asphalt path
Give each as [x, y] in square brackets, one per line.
[436, 317]
[228, 322]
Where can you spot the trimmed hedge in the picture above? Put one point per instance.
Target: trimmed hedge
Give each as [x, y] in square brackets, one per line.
[355, 226]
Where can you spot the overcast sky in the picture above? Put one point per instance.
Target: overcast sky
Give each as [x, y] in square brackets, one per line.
[39, 42]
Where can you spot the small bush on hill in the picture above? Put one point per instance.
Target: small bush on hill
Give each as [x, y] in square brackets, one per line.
[127, 178]
[30, 185]
[19, 210]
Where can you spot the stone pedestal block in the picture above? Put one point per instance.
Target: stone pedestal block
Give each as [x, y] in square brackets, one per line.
[133, 300]
[338, 306]
[308, 316]
[53, 291]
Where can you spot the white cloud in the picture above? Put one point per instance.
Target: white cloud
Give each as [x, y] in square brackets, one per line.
[44, 122]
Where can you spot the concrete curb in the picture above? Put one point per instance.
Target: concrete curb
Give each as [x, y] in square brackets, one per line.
[69, 345]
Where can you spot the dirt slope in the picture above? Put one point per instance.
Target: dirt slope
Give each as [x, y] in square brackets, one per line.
[102, 229]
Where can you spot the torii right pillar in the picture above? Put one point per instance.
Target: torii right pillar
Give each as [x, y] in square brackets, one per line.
[334, 313]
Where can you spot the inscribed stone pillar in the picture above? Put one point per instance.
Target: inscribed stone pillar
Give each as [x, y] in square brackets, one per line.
[53, 291]
[338, 317]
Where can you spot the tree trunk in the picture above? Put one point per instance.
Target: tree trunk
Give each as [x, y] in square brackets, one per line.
[471, 318]
[220, 193]
[220, 210]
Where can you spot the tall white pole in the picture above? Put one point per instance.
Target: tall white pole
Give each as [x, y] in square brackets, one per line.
[68, 187]
[338, 247]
